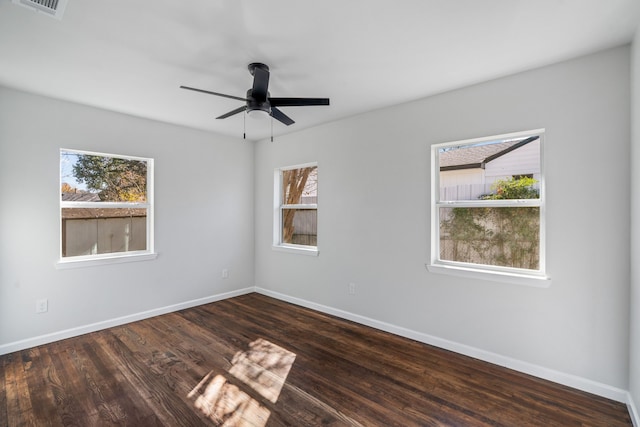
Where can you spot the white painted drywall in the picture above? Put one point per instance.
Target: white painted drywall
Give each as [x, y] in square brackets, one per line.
[203, 216]
[373, 218]
[634, 352]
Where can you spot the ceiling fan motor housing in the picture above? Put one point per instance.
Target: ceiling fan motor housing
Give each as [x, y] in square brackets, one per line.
[253, 104]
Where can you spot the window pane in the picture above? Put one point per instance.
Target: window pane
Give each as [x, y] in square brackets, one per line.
[95, 178]
[498, 236]
[300, 186]
[502, 169]
[300, 226]
[102, 231]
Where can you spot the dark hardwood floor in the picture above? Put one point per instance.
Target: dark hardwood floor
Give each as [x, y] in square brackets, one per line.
[256, 361]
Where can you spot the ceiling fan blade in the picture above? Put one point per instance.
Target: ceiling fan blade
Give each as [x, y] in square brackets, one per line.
[260, 84]
[297, 102]
[213, 93]
[231, 113]
[281, 117]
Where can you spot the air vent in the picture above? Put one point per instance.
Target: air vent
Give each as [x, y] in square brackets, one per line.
[54, 8]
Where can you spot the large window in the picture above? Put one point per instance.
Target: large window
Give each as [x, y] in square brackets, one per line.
[106, 207]
[488, 206]
[296, 208]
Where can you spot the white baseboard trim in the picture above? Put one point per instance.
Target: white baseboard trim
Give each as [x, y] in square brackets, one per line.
[633, 411]
[569, 380]
[93, 327]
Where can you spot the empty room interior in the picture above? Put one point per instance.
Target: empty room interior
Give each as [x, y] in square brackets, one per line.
[222, 212]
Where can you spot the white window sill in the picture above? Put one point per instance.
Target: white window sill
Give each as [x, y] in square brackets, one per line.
[297, 249]
[539, 281]
[90, 261]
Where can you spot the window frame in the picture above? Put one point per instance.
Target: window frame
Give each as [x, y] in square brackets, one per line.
[112, 257]
[539, 277]
[278, 244]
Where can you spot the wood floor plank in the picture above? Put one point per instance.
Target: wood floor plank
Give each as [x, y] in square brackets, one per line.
[20, 396]
[69, 394]
[256, 361]
[124, 394]
[36, 362]
[3, 391]
[98, 380]
[167, 406]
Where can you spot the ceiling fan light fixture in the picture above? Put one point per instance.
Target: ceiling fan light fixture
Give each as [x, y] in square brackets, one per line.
[259, 114]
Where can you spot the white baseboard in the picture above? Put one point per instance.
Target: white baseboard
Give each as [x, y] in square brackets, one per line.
[569, 380]
[93, 327]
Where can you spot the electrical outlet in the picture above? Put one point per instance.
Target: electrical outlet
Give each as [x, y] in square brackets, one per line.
[42, 305]
[225, 273]
[352, 288]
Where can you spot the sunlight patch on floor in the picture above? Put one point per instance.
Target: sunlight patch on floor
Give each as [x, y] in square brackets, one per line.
[227, 405]
[264, 367]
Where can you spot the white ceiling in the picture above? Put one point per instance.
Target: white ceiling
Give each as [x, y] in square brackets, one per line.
[131, 56]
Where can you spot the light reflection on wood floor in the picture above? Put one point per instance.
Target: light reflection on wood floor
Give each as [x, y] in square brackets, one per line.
[263, 367]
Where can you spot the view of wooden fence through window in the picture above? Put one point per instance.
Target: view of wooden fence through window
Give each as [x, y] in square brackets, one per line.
[501, 236]
[104, 204]
[299, 211]
[489, 203]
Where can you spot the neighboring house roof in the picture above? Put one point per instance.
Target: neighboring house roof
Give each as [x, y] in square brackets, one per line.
[80, 197]
[478, 156]
[93, 213]
[101, 213]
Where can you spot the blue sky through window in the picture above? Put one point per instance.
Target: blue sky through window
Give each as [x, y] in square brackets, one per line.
[67, 161]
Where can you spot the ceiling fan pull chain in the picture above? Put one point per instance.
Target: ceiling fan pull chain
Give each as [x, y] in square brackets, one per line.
[244, 126]
[271, 127]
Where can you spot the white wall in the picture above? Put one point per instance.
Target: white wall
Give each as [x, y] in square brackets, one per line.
[634, 354]
[203, 217]
[373, 218]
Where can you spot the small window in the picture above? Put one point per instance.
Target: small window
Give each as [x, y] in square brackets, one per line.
[296, 203]
[488, 205]
[106, 206]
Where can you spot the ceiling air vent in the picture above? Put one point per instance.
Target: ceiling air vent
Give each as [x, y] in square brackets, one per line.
[54, 8]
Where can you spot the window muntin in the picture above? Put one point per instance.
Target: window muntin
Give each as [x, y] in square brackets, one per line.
[488, 204]
[105, 206]
[296, 224]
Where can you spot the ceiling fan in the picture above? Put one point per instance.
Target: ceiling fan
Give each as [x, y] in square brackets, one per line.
[259, 101]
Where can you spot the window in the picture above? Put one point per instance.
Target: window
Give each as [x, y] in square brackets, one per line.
[488, 207]
[106, 207]
[296, 209]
